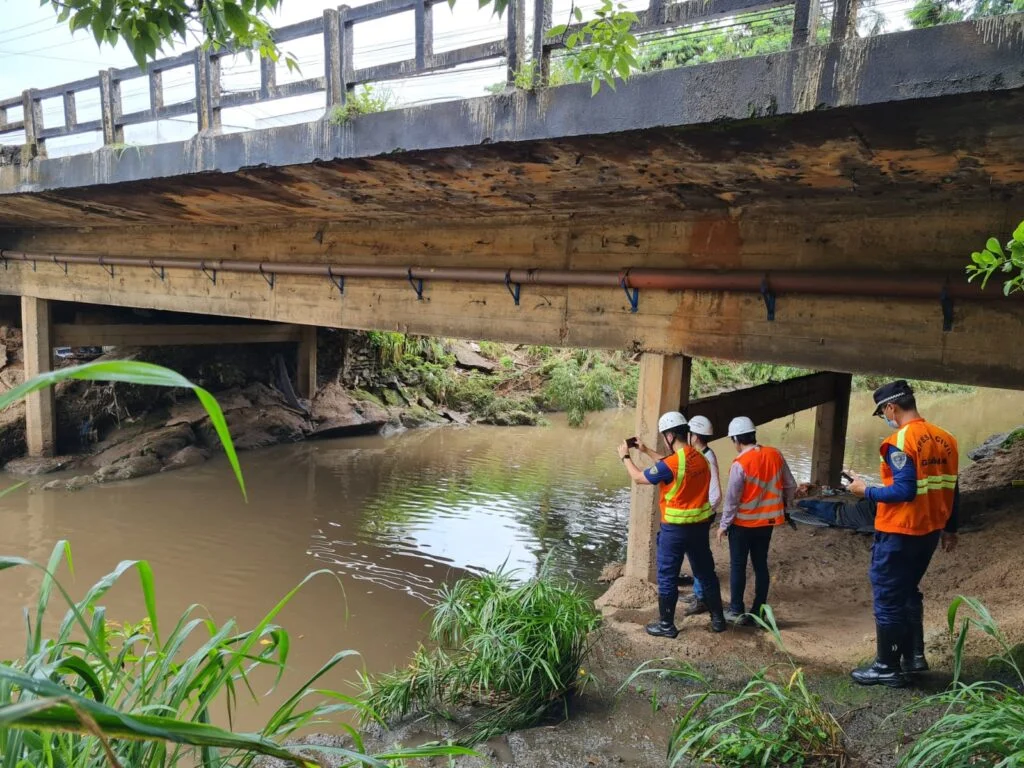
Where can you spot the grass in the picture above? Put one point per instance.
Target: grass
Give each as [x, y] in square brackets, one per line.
[364, 101]
[980, 723]
[1017, 436]
[515, 651]
[772, 720]
[95, 693]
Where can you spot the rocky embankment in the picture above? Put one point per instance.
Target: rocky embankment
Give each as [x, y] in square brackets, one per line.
[111, 432]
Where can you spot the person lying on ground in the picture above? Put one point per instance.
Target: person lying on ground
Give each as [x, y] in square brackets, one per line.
[856, 515]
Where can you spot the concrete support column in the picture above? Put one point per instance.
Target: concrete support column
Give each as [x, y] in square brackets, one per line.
[661, 389]
[307, 362]
[830, 421]
[40, 424]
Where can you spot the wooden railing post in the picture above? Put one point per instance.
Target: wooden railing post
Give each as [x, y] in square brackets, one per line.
[110, 108]
[541, 55]
[32, 110]
[805, 23]
[656, 13]
[515, 42]
[207, 91]
[424, 33]
[334, 79]
[844, 19]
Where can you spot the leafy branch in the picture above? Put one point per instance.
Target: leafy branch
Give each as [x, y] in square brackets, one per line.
[603, 48]
[997, 258]
[145, 27]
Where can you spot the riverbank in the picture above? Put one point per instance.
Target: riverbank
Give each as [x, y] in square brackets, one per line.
[822, 599]
[367, 383]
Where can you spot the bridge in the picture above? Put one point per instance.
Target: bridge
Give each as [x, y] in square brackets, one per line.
[812, 207]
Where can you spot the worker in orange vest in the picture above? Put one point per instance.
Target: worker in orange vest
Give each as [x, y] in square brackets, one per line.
[760, 488]
[917, 505]
[684, 482]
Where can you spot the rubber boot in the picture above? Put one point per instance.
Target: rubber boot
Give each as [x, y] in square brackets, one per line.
[886, 669]
[913, 650]
[684, 580]
[665, 626]
[713, 599]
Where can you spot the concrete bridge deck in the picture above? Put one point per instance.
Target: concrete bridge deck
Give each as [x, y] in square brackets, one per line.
[812, 207]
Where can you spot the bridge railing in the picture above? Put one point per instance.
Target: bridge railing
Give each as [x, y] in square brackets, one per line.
[340, 74]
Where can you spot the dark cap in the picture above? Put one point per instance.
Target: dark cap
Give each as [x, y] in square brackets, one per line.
[887, 393]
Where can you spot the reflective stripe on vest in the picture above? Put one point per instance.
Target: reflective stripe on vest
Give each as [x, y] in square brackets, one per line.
[685, 500]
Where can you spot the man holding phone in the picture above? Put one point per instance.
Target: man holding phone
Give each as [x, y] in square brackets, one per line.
[917, 505]
[684, 483]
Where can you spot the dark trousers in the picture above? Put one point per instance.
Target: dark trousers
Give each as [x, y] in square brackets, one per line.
[898, 563]
[749, 543]
[692, 541]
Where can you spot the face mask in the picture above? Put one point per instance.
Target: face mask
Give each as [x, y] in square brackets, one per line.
[892, 424]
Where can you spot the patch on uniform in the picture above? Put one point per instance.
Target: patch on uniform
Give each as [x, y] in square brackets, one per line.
[898, 459]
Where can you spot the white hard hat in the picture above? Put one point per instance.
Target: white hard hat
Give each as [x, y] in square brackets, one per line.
[701, 425]
[671, 420]
[741, 425]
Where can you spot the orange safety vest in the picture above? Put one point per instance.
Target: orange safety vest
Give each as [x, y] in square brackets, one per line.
[685, 499]
[936, 459]
[762, 502]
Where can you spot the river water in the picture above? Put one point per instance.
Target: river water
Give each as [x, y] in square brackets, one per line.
[393, 518]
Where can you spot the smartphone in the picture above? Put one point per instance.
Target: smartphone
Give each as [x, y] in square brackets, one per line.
[632, 442]
[846, 476]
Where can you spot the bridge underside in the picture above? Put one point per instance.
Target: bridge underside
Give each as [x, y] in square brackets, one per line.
[901, 189]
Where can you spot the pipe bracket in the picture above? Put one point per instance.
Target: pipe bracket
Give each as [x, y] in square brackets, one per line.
[513, 288]
[338, 280]
[417, 285]
[158, 272]
[109, 269]
[269, 278]
[947, 310]
[769, 299]
[633, 294]
[62, 264]
[210, 273]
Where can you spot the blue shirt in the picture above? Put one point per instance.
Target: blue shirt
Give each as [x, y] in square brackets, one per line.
[904, 486]
[659, 474]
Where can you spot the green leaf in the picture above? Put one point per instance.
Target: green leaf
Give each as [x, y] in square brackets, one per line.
[977, 258]
[1018, 233]
[595, 86]
[81, 19]
[578, 13]
[236, 20]
[1007, 287]
[557, 31]
[994, 246]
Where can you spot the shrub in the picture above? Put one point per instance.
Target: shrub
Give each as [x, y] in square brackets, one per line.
[577, 391]
[982, 723]
[773, 720]
[517, 650]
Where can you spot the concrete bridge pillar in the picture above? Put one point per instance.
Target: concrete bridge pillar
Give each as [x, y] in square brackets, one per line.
[830, 421]
[306, 369]
[664, 386]
[36, 329]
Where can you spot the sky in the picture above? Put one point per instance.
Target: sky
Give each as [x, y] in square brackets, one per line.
[36, 51]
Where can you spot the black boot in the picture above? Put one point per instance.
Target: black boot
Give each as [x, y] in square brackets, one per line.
[886, 669]
[913, 651]
[718, 622]
[694, 607]
[684, 580]
[665, 626]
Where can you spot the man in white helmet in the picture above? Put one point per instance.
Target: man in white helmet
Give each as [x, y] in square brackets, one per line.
[760, 488]
[701, 433]
[684, 480]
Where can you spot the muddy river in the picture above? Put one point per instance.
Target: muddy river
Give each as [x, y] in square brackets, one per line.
[393, 518]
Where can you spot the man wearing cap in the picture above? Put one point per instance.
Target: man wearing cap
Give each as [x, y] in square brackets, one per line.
[684, 480]
[760, 488]
[917, 505]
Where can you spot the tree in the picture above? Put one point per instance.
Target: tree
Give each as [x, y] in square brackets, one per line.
[995, 258]
[930, 13]
[145, 26]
